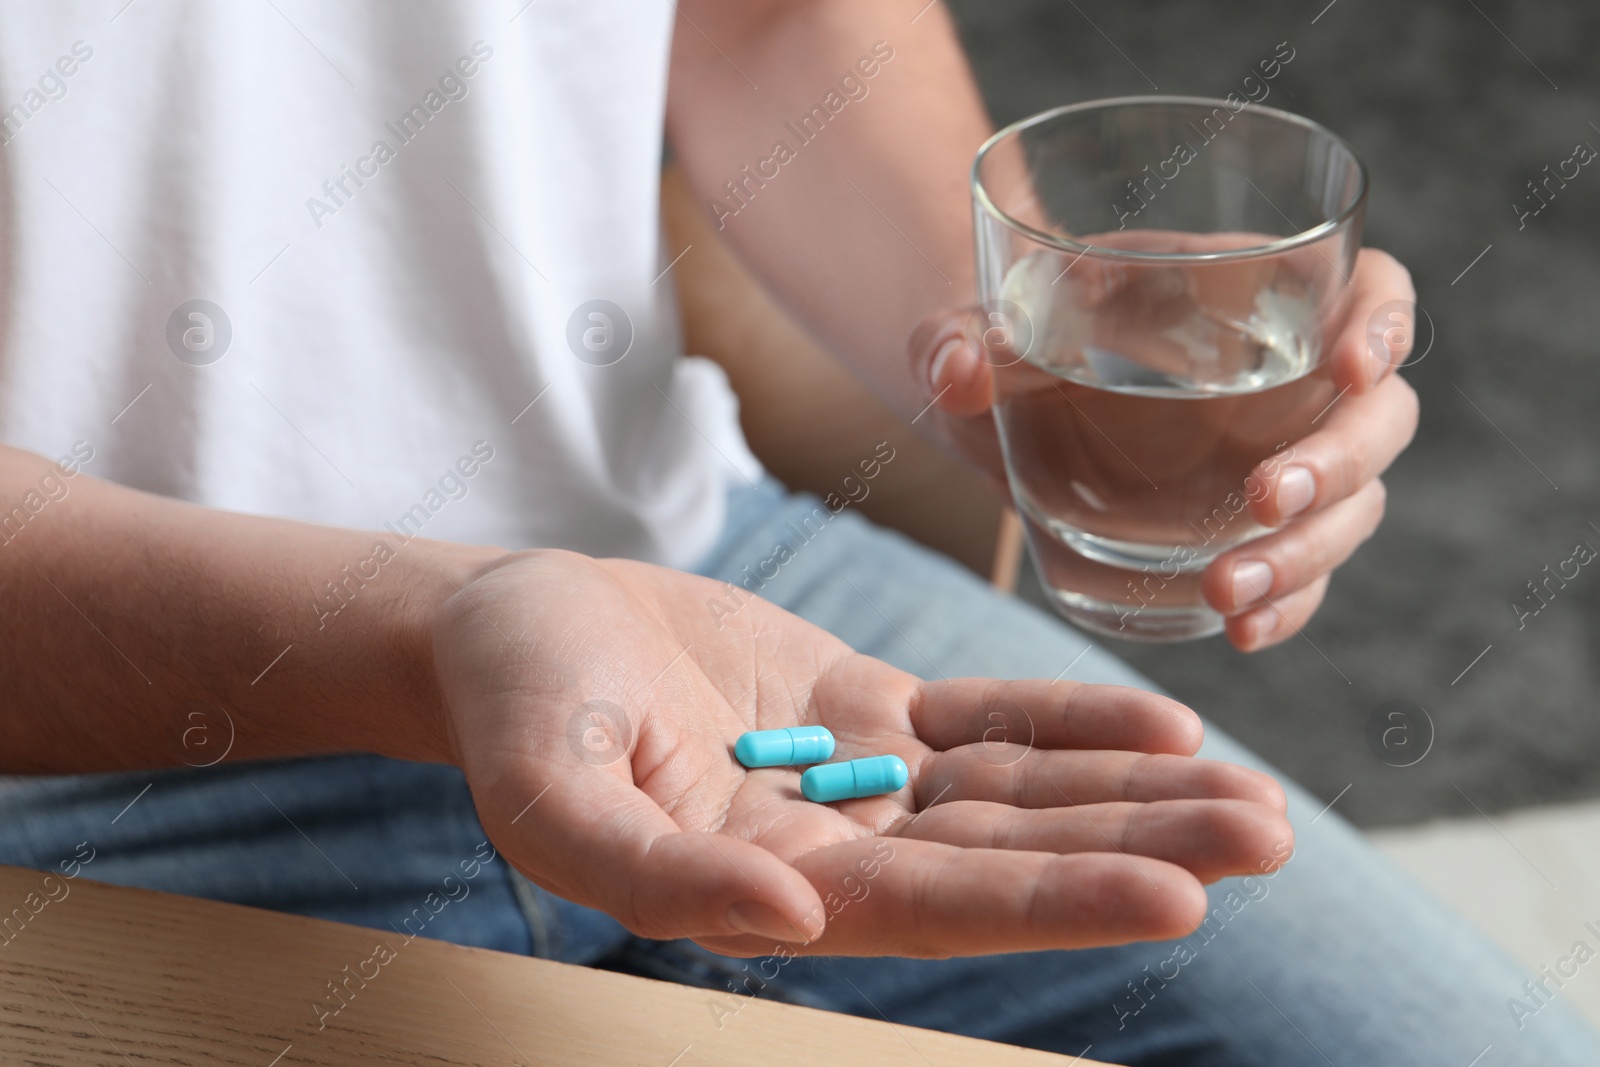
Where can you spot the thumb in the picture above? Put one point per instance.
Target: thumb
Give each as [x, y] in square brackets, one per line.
[612, 848]
[948, 364]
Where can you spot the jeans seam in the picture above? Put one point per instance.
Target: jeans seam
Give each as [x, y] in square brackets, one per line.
[543, 931]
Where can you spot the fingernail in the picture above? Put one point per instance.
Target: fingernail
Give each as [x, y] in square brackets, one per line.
[1257, 628]
[1388, 341]
[754, 917]
[1252, 581]
[1296, 487]
[946, 350]
[1379, 365]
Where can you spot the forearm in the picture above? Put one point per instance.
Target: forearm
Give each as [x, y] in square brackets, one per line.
[131, 621]
[867, 228]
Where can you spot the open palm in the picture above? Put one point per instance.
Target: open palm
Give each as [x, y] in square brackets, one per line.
[594, 705]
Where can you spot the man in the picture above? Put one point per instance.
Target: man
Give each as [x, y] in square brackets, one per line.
[395, 269]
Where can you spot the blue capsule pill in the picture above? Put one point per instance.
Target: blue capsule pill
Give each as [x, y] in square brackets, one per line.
[868, 777]
[784, 748]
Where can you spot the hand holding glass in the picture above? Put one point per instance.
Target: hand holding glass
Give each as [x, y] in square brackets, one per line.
[1156, 276]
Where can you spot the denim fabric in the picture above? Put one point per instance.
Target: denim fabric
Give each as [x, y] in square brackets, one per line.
[1336, 959]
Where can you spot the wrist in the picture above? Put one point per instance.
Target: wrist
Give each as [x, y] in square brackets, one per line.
[433, 580]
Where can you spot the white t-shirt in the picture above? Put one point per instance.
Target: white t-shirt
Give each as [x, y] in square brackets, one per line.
[340, 262]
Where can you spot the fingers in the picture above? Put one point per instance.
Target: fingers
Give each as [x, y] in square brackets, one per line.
[1279, 563]
[603, 843]
[1211, 839]
[1370, 342]
[1040, 778]
[979, 711]
[1359, 437]
[1276, 621]
[956, 386]
[929, 899]
[947, 366]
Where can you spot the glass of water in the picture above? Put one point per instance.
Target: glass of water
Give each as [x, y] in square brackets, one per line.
[1158, 277]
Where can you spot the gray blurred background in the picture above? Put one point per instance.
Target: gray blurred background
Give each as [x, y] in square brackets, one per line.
[1454, 107]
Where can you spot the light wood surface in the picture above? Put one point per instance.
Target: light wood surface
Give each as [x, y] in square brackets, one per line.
[109, 976]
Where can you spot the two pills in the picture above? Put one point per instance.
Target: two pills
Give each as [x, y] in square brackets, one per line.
[792, 746]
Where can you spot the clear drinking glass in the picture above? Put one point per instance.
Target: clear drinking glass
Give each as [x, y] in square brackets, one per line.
[1158, 276]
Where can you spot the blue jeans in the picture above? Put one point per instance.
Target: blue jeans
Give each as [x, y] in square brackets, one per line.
[1337, 959]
